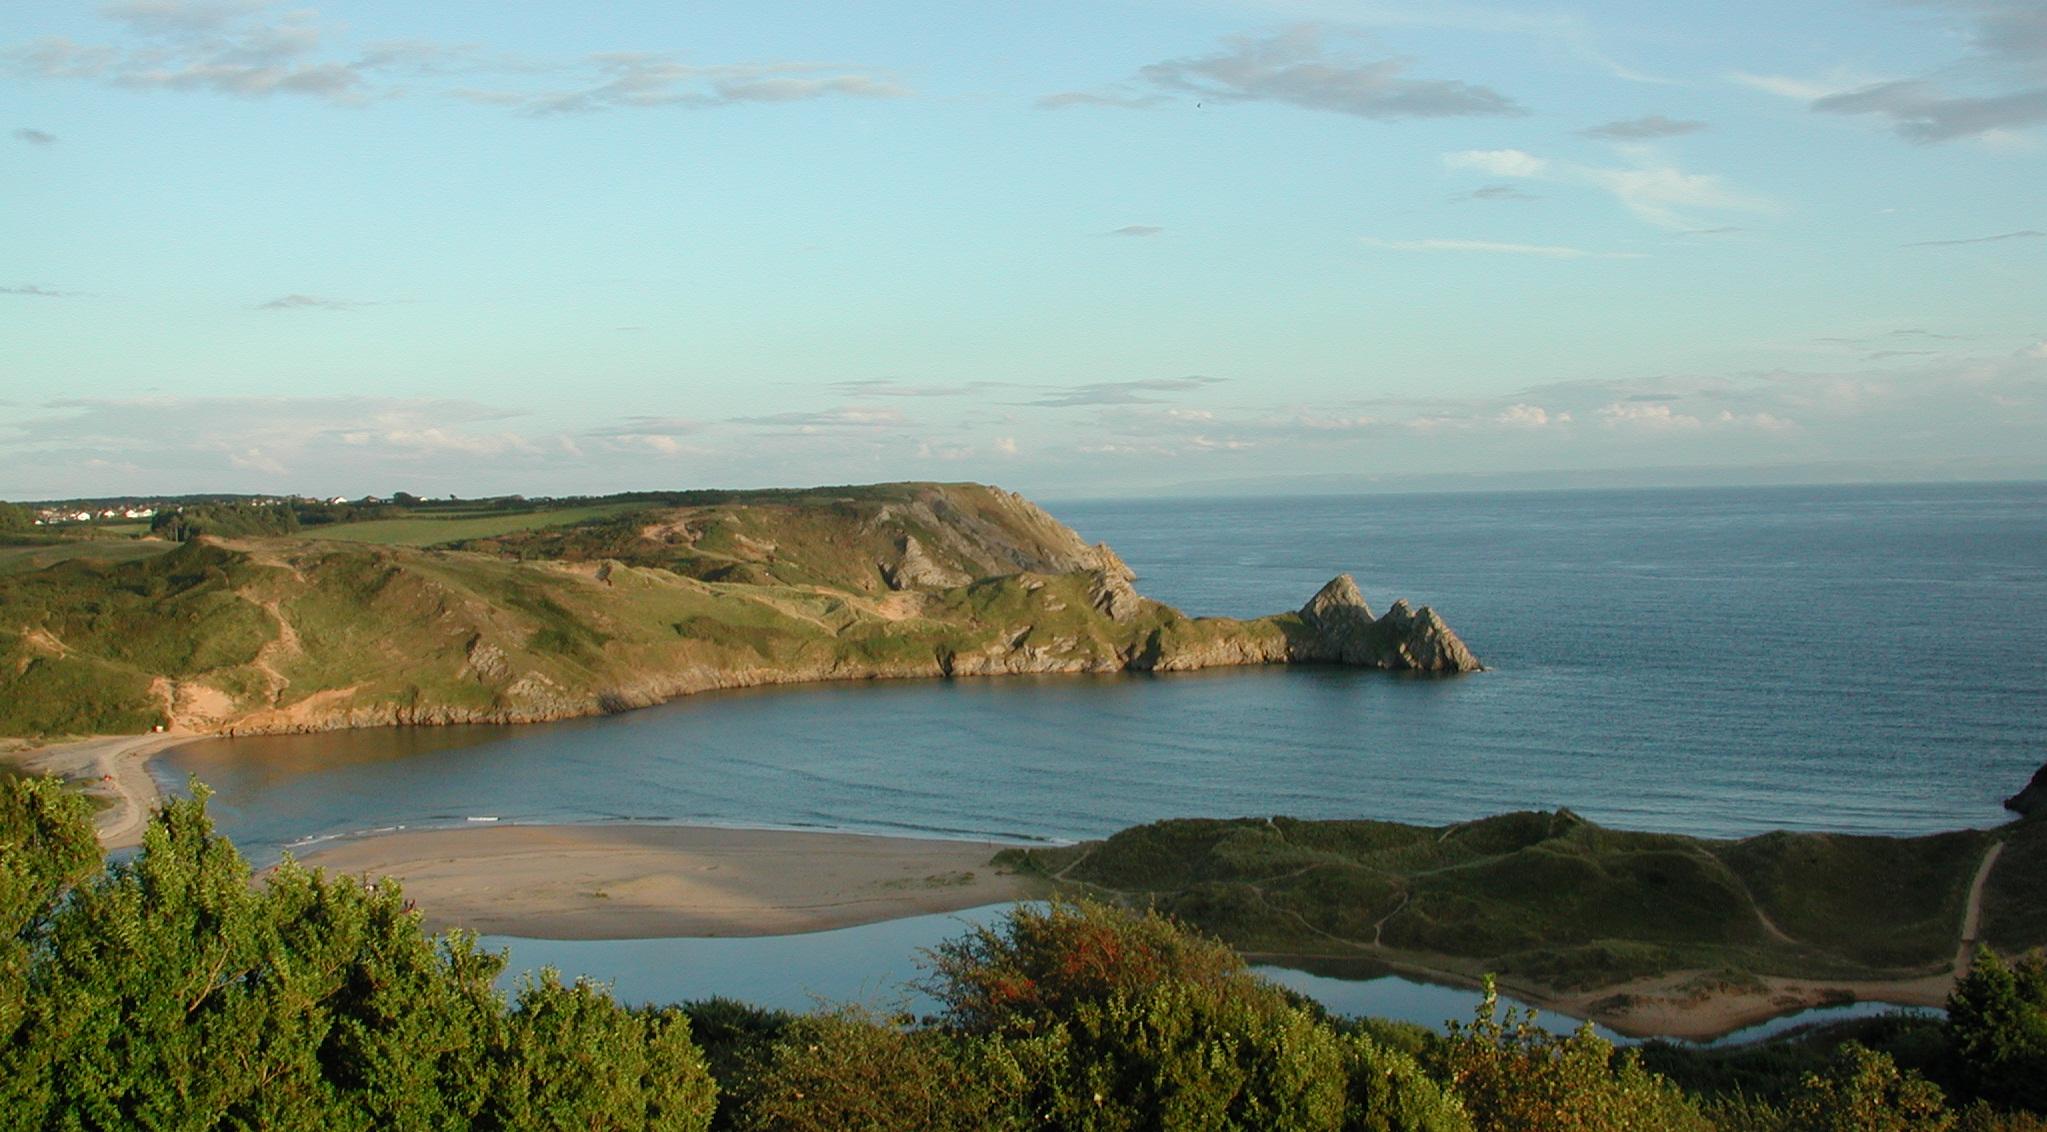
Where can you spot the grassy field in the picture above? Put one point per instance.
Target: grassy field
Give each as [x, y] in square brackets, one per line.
[460, 527]
[22, 559]
[316, 629]
[1553, 899]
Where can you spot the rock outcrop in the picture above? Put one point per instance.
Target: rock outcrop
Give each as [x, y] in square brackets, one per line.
[915, 568]
[2033, 799]
[1113, 596]
[1341, 629]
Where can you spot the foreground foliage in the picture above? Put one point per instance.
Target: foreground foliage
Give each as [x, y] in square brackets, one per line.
[167, 992]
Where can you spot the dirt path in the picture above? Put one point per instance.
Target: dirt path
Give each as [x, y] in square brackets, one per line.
[1972, 915]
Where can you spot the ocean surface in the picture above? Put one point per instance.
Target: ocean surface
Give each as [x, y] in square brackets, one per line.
[1713, 662]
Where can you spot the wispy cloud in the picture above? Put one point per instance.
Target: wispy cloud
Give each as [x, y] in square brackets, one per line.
[1999, 85]
[2021, 234]
[38, 291]
[1137, 230]
[35, 136]
[1923, 112]
[1498, 192]
[884, 388]
[1301, 67]
[267, 436]
[218, 48]
[1491, 247]
[849, 416]
[1664, 195]
[649, 426]
[1069, 98]
[244, 49]
[1644, 129]
[1142, 391]
[295, 302]
[644, 79]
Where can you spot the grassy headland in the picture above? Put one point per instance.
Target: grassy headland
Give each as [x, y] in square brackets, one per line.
[1621, 925]
[523, 613]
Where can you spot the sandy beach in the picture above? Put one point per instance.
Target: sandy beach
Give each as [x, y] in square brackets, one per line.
[112, 767]
[636, 882]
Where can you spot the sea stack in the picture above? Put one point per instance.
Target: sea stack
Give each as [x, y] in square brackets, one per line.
[1341, 629]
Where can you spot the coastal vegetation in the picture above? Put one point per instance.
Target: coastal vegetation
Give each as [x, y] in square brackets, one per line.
[166, 991]
[253, 617]
[1565, 909]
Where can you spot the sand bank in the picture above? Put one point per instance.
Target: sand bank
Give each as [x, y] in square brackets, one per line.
[640, 882]
[114, 768]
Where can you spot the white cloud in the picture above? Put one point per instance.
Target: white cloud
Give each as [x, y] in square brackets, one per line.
[1804, 89]
[1653, 417]
[1661, 194]
[1499, 162]
[1519, 415]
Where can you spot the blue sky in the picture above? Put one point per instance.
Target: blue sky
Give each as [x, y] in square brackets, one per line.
[1074, 249]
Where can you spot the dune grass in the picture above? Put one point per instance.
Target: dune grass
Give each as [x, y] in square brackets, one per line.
[1554, 899]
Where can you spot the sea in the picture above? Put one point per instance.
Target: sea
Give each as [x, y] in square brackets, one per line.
[1716, 662]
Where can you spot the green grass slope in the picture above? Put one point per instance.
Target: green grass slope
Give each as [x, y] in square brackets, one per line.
[579, 611]
[1556, 901]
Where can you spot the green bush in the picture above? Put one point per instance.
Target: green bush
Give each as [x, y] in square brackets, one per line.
[1513, 1075]
[847, 1071]
[166, 991]
[1997, 1030]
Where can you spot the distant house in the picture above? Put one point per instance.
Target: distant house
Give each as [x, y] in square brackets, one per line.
[338, 500]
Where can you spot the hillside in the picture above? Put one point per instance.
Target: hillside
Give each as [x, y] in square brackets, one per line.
[626, 605]
[1568, 910]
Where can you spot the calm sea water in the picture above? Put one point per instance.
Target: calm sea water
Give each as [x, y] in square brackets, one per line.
[1710, 662]
[1716, 662]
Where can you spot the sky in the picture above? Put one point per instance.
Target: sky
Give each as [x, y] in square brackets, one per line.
[1075, 249]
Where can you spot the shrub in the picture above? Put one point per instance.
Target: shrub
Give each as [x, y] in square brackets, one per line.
[1513, 1075]
[1863, 1091]
[846, 1071]
[1997, 1031]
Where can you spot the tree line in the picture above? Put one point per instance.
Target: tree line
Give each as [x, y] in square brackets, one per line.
[165, 991]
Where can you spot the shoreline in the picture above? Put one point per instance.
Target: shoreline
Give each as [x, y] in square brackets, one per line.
[590, 882]
[1688, 1006]
[114, 769]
